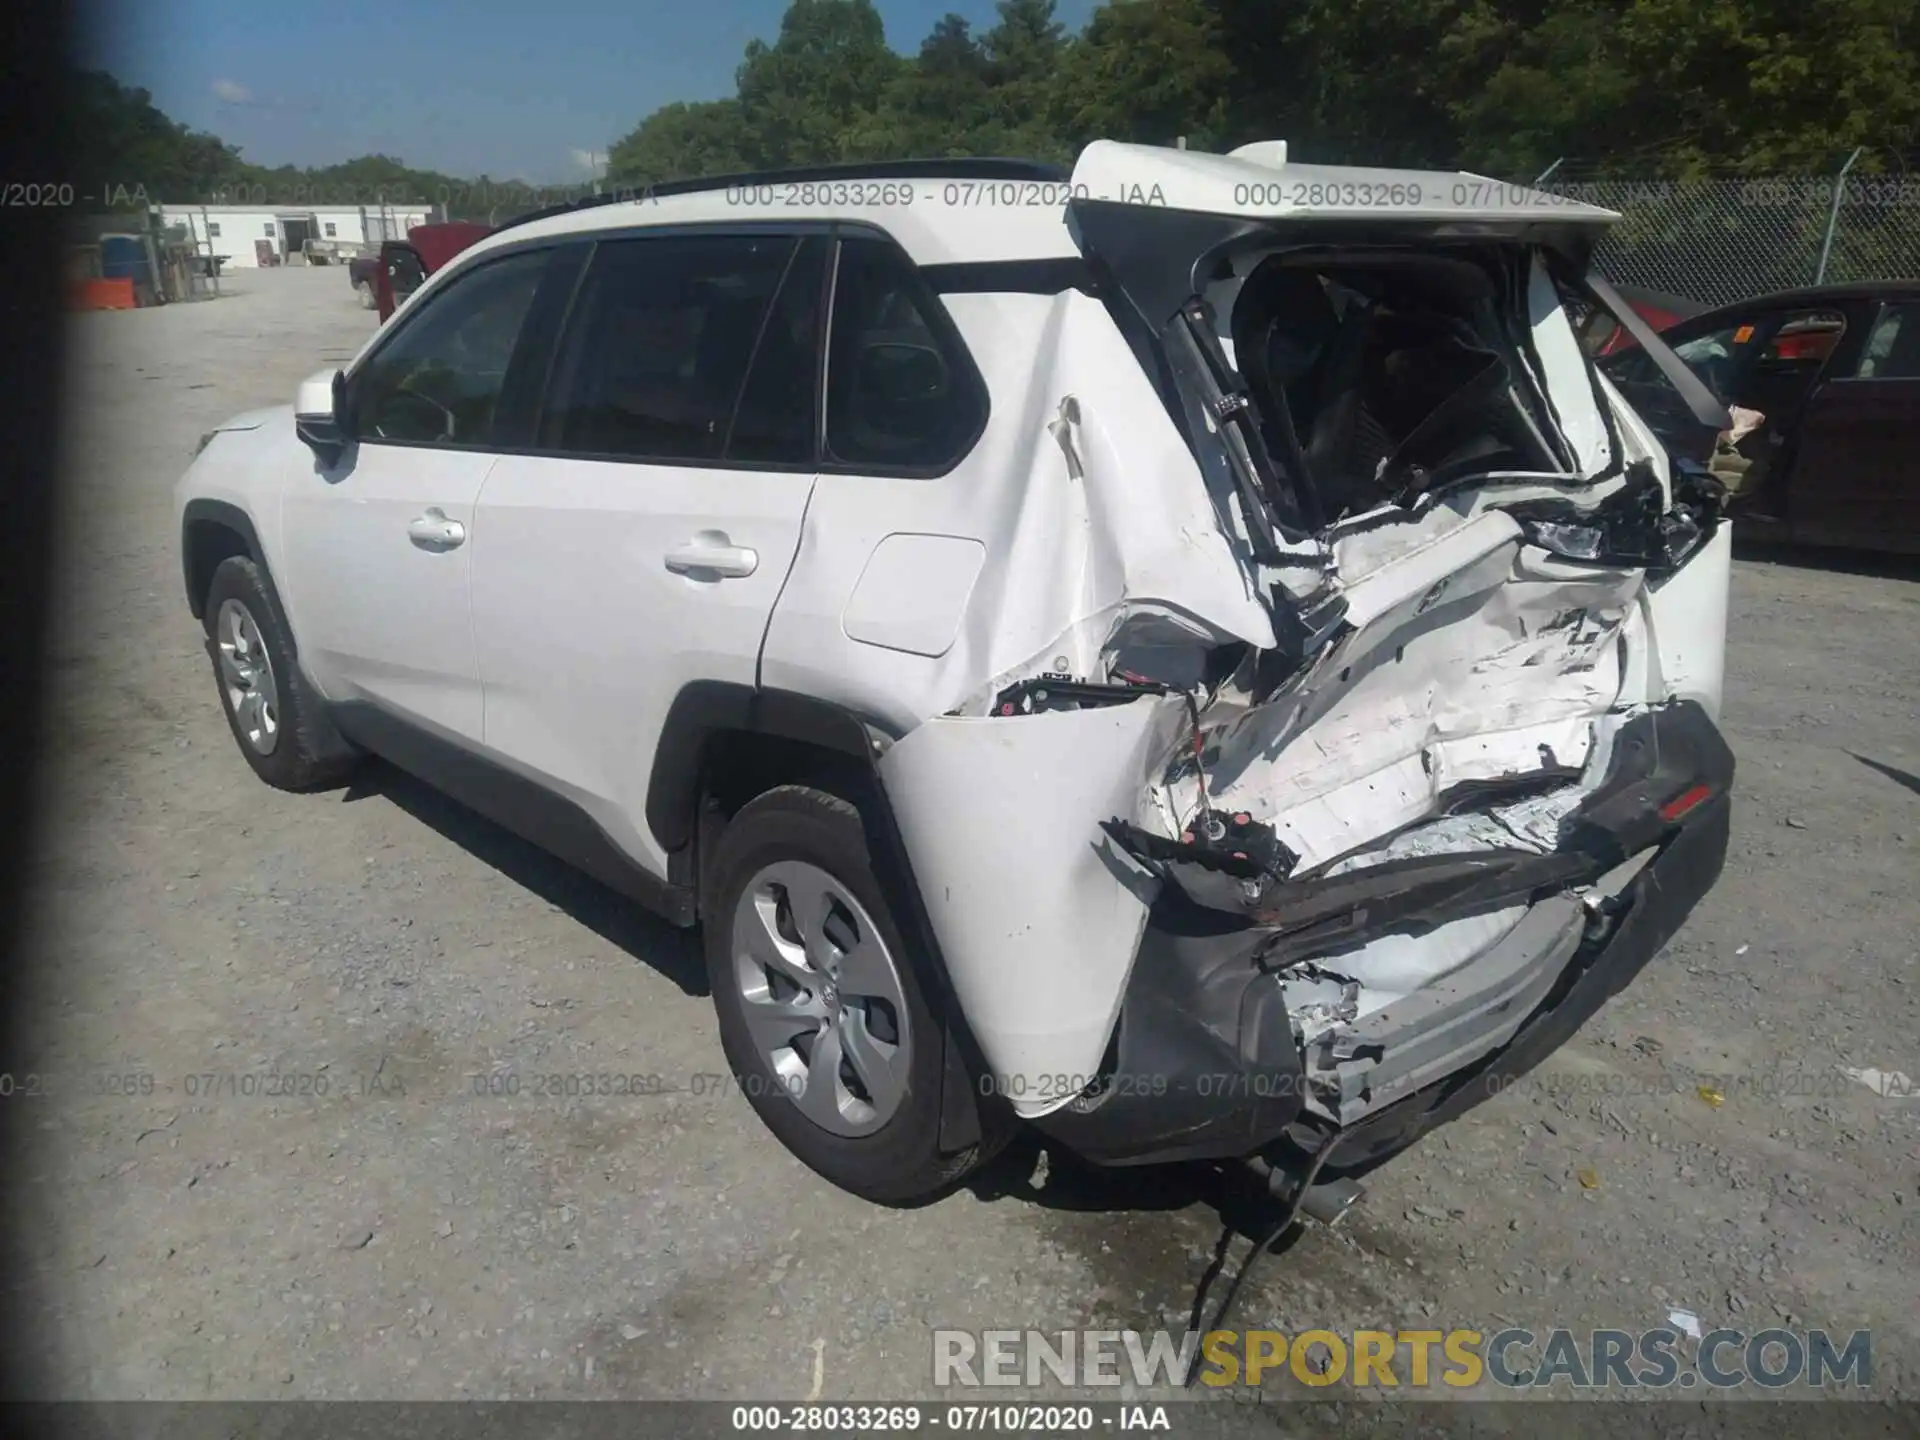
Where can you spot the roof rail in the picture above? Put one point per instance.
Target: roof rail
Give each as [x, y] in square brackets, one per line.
[968, 167]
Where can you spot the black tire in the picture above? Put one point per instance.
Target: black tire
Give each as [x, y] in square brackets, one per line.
[368, 300]
[901, 1162]
[308, 753]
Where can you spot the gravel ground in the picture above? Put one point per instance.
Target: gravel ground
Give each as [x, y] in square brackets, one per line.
[387, 1231]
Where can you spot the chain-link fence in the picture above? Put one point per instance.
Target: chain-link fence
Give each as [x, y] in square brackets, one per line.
[1721, 240]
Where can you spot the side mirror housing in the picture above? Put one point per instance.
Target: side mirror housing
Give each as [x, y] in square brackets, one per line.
[322, 416]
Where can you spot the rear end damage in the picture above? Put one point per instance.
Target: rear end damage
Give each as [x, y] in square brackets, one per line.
[1209, 887]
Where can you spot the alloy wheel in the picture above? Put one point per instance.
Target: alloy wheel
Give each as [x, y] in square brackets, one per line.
[246, 677]
[821, 994]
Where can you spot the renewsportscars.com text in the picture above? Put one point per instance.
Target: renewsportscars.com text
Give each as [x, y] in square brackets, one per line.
[1417, 1359]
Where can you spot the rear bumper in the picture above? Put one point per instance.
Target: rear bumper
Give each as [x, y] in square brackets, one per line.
[1205, 1064]
[1659, 900]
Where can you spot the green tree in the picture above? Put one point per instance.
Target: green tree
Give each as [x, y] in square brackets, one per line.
[1341, 80]
[940, 104]
[127, 145]
[1026, 60]
[682, 141]
[1149, 71]
[805, 98]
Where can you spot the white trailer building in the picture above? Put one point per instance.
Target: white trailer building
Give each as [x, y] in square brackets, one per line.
[256, 234]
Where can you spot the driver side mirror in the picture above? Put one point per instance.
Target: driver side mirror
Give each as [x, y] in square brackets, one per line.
[322, 415]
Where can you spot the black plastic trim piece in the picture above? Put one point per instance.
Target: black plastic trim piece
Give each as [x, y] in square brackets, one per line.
[511, 800]
[1203, 1064]
[228, 517]
[1705, 407]
[1012, 277]
[706, 708]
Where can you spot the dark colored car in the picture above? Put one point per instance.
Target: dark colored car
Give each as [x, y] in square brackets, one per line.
[1824, 388]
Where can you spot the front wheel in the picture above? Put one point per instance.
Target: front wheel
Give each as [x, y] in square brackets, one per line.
[823, 1017]
[365, 291]
[276, 719]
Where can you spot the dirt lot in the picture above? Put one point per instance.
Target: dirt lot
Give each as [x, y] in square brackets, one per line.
[387, 1231]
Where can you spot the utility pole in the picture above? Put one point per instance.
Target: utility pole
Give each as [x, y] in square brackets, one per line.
[1833, 216]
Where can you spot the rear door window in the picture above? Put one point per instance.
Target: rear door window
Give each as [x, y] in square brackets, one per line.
[1893, 345]
[655, 357]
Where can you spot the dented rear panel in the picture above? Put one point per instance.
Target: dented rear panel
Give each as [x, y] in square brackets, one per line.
[1330, 702]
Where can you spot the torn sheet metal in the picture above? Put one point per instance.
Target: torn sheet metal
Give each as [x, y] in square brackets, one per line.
[1364, 1063]
[1476, 659]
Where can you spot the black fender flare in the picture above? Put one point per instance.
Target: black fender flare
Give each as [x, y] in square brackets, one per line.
[706, 708]
[229, 517]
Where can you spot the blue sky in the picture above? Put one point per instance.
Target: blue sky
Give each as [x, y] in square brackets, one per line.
[512, 88]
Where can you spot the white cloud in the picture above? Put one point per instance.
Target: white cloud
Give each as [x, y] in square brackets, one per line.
[231, 91]
[591, 161]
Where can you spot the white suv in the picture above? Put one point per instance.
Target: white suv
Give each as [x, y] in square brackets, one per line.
[1188, 654]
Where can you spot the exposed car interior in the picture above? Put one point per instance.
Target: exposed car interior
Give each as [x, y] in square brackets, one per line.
[1385, 375]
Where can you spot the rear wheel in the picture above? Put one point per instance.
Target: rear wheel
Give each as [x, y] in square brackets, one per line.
[364, 289]
[823, 1016]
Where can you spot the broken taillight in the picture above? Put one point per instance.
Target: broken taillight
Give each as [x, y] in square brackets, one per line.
[1685, 802]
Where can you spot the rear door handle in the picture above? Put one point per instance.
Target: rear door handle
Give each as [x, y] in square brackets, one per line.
[434, 531]
[711, 553]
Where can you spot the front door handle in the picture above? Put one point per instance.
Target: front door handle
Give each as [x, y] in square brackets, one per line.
[711, 553]
[434, 531]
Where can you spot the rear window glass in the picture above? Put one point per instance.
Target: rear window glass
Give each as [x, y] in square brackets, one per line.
[1893, 346]
[902, 392]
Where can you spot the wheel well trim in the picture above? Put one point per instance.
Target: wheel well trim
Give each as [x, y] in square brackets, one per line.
[227, 516]
[707, 708]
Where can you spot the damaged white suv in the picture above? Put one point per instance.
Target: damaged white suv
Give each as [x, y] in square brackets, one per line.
[1188, 654]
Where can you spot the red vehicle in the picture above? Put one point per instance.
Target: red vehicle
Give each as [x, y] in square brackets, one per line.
[404, 265]
[1661, 310]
